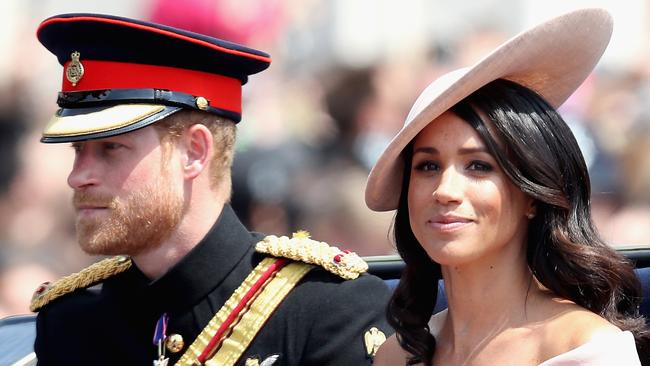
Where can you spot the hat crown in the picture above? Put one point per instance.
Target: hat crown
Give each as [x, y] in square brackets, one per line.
[118, 72]
[552, 59]
[109, 37]
[432, 91]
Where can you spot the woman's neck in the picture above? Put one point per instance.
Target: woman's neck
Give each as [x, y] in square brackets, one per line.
[486, 297]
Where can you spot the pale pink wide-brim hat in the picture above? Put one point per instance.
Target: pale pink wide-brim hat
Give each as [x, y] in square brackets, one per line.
[552, 59]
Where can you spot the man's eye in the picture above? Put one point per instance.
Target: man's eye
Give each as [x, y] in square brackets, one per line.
[112, 145]
[76, 147]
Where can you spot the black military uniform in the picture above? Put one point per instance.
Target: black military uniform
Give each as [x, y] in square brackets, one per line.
[121, 75]
[321, 322]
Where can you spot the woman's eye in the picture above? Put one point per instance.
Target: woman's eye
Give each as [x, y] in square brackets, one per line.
[480, 166]
[426, 166]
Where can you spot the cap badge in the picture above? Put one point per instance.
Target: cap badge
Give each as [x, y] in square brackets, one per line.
[75, 70]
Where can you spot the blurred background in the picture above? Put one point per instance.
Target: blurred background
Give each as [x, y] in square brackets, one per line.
[343, 77]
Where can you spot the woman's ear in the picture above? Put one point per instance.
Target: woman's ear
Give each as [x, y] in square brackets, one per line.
[532, 209]
[197, 150]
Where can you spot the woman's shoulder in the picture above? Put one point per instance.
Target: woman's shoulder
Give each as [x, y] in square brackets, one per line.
[576, 324]
[390, 353]
[604, 349]
[570, 326]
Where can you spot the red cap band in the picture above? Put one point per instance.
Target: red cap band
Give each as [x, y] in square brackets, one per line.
[222, 92]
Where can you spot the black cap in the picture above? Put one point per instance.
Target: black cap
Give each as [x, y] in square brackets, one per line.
[122, 74]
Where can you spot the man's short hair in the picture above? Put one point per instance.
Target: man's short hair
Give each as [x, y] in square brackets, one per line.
[223, 130]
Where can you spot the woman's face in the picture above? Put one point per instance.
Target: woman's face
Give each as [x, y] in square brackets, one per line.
[462, 207]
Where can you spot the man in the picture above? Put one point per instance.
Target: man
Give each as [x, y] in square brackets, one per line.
[150, 112]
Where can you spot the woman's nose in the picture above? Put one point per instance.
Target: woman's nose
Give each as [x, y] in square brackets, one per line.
[450, 187]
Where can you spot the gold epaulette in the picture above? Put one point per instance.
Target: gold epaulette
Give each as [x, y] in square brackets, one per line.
[300, 247]
[87, 277]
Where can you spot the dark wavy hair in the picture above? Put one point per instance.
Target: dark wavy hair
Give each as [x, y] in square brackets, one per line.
[538, 152]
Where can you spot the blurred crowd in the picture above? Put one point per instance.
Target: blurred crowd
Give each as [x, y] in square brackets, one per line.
[313, 125]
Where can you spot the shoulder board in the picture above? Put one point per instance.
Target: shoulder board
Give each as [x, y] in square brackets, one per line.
[300, 247]
[87, 277]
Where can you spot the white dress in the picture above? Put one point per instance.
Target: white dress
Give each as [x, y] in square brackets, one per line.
[607, 349]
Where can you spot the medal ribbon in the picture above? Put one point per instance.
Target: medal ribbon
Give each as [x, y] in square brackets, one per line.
[160, 333]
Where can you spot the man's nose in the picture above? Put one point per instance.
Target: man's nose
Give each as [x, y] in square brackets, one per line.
[84, 170]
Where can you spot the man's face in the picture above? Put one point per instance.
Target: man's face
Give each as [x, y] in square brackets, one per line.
[127, 193]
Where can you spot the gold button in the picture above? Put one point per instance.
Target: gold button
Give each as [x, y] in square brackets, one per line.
[202, 103]
[121, 258]
[174, 343]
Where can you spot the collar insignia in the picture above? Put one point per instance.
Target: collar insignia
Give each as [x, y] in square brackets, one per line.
[373, 338]
[254, 361]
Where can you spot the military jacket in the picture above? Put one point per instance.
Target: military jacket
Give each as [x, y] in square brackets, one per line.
[322, 321]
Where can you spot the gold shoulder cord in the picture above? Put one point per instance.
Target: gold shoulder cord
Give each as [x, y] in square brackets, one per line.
[250, 323]
[300, 247]
[261, 309]
[87, 277]
[305, 253]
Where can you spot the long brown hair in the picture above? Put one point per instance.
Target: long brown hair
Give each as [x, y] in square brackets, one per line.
[540, 155]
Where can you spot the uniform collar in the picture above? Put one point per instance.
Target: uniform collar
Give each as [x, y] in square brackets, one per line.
[204, 268]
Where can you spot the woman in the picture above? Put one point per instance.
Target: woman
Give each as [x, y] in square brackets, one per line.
[492, 195]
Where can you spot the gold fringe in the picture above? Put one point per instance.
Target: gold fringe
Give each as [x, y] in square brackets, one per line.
[301, 248]
[87, 277]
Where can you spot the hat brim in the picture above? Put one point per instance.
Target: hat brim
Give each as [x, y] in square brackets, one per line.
[78, 124]
[552, 59]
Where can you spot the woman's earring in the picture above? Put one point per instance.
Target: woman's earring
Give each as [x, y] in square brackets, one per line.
[530, 215]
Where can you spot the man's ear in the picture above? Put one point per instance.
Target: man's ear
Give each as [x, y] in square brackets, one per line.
[197, 146]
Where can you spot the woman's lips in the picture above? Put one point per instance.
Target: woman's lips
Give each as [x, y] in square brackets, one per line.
[449, 223]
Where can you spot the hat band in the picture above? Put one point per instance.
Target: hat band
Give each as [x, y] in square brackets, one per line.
[222, 92]
[112, 97]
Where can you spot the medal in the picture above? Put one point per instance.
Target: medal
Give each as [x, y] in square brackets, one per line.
[162, 361]
[159, 336]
